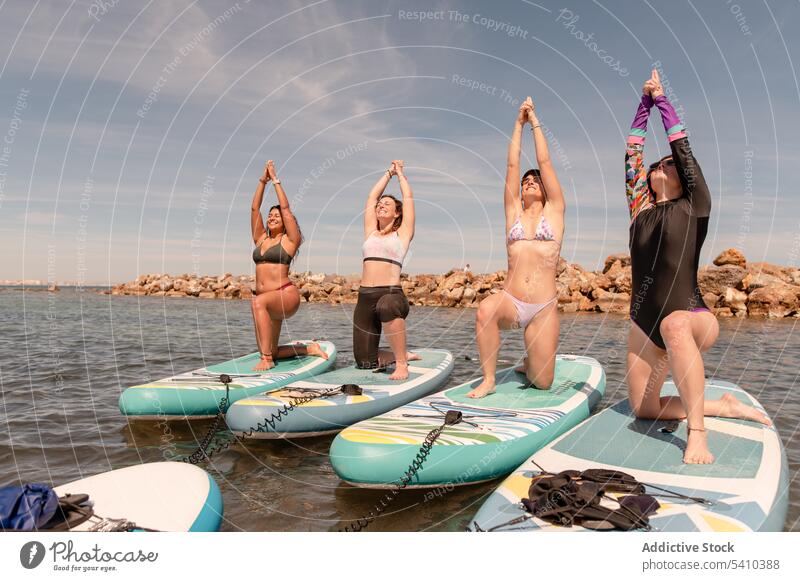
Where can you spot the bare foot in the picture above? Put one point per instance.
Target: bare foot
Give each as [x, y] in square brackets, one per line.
[733, 408]
[485, 388]
[265, 364]
[697, 451]
[523, 368]
[315, 350]
[400, 371]
[412, 357]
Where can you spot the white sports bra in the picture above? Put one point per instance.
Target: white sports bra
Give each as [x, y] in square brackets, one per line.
[387, 248]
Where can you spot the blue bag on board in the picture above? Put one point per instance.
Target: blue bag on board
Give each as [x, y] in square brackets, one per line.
[27, 507]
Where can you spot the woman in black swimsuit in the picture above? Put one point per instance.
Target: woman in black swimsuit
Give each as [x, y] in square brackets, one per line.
[670, 205]
[276, 297]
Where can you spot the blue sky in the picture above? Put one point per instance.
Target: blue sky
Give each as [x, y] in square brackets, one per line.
[132, 134]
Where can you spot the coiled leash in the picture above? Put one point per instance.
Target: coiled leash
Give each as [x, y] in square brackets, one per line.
[205, 451]
[451, 418]
[573, 497]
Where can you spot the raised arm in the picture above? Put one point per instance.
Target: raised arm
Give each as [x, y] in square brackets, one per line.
[689, 173]
[636, 188]
[511, 196]
[256, 221]
[406, 230]
[370, 219]
[289, 220]
[552, 187]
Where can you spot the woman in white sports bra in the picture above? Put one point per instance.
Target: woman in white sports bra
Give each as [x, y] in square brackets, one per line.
[535, 229]
[382, 305]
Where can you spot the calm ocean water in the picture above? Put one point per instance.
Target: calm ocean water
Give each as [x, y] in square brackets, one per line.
[65, 358]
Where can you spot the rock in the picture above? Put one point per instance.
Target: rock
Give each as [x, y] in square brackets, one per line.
[609, 302]
[715, 279]
[735, 300]
[723, 312]
[568, 307]
[457, 279]
[754, 280]
[623, 258]
[710, 299]
[469, 295]
[731, 256]
[207, 294]
[193, 288]
[774, 301]
[772, 269]
[456, 294]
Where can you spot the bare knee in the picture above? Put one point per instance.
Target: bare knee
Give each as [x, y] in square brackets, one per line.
[540, 380]
[676, 328]
[485, 315]
[642, 411]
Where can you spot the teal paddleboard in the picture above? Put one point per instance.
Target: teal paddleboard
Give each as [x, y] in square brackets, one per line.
[328, 415]
[748, 483]
[197, 394]
[498, 432]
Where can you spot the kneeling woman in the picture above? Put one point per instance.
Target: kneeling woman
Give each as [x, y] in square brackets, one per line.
[528, 300]
[382, 306]
[276, 297]
[669, 206]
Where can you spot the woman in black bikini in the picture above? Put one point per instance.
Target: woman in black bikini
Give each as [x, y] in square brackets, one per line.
[528, 300]
[669, 206]
[276, 297]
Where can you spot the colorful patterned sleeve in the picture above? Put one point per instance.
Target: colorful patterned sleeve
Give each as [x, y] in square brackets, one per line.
[636, 188]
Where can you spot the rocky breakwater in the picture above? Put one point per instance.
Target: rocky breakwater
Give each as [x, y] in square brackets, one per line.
[731, 287]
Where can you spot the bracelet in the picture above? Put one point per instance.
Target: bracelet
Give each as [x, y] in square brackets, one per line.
[388, 171]
[535, 126]
[276, 182]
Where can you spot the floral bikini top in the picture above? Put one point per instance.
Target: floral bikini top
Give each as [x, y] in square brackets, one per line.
[544, 232]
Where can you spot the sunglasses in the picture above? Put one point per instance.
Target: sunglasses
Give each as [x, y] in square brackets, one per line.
[665, 163]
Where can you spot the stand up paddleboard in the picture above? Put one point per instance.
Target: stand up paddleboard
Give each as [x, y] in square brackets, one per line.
[496, 434]
[257, 417]
[748, 482]
[197, 394]
[163, 496]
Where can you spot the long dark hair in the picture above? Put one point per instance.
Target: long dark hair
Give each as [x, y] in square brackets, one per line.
[398, 206]
[283, 225]
[650, 170]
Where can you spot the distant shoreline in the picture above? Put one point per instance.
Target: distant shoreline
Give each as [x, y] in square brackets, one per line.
[731, 287]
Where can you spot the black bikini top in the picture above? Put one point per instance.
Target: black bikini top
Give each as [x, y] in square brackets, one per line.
[275, 254]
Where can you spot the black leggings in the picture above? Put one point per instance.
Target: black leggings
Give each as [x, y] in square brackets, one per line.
[376, 305]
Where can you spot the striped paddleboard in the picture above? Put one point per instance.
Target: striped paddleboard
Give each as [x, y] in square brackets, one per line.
[499, 431]
[748, 482]
[330, 414]
[197, 394]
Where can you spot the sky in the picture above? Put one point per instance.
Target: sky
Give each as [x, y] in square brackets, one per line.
[132, 134]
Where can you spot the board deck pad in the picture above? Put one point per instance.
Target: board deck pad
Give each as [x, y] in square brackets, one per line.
[508, 426]
[197, 394]
[748, 480]
[331, 414]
